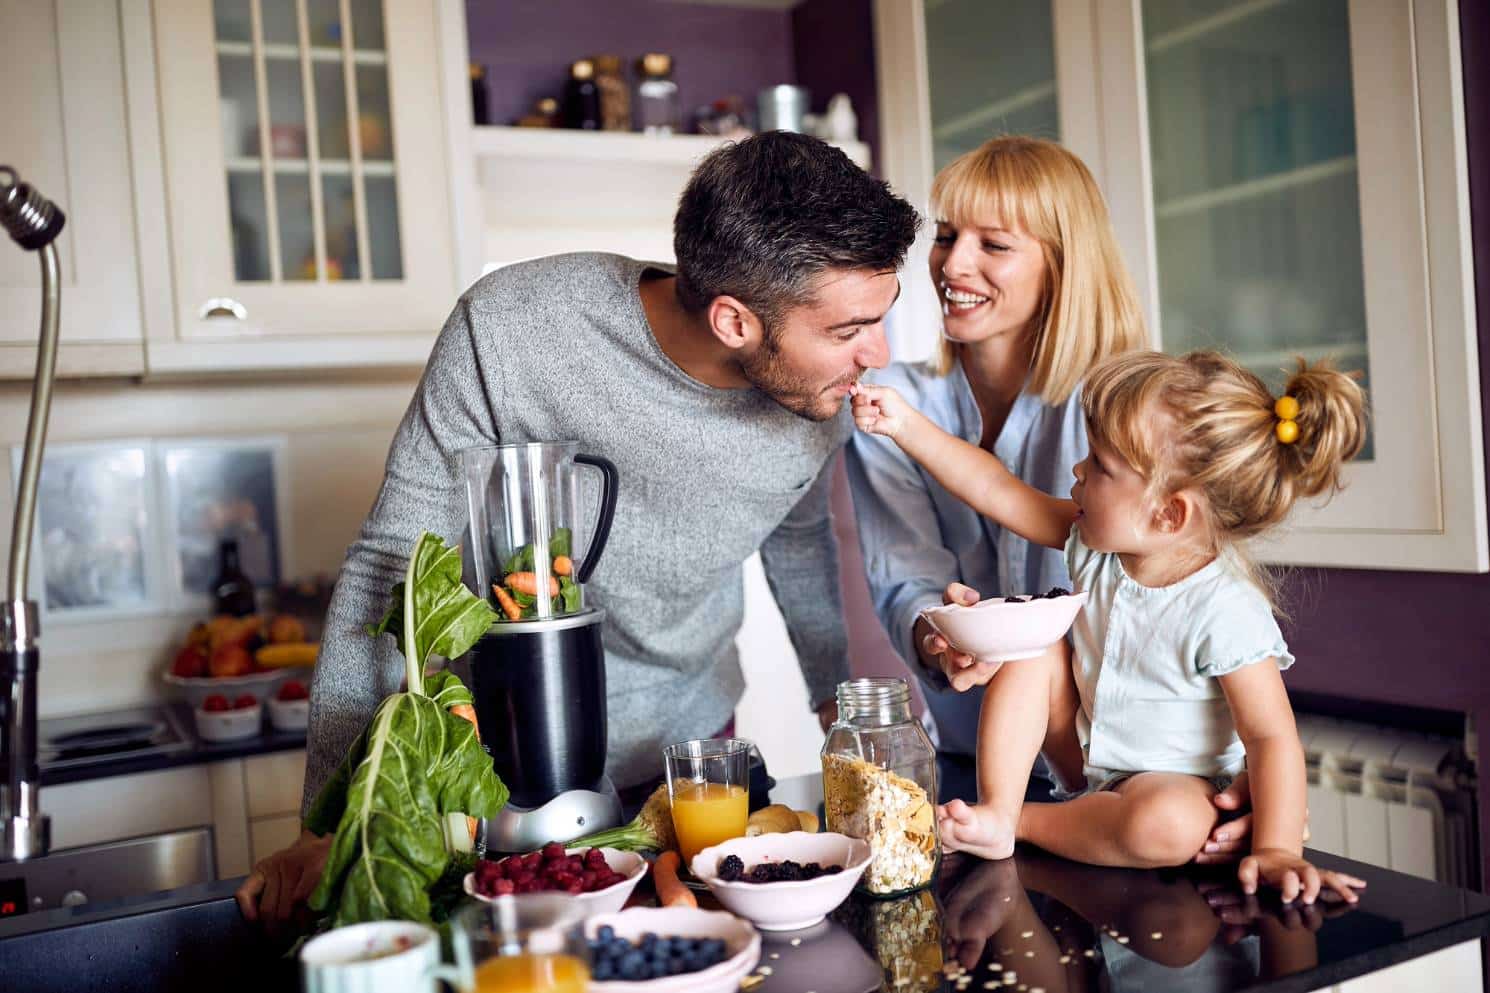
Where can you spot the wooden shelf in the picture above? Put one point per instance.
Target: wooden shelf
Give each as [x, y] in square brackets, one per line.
[682, 150]
[318, 53]
[1203, 26]
[301, 167]
[1255, 188]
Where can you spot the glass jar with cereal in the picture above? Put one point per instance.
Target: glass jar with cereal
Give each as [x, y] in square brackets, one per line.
[879, 784]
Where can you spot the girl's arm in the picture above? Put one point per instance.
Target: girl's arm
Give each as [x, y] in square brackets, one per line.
[1275, 762]
[969, 473]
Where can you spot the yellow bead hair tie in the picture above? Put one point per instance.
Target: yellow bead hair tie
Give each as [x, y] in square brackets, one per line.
[1287, 429]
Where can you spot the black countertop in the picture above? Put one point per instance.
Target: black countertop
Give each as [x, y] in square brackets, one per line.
[1184, 929]
[196, 752]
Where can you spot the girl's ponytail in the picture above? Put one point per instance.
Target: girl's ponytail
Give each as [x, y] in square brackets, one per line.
[1329, 409]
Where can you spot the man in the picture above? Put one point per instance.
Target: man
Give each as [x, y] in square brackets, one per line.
[719, 393]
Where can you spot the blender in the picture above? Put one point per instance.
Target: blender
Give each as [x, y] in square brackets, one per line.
[538, 674]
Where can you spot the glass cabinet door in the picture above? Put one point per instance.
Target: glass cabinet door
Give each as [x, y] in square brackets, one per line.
[1256, 199]
[990, 71]
[307, 140]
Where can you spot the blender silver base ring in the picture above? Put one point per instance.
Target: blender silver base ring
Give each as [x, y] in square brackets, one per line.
[569, 815]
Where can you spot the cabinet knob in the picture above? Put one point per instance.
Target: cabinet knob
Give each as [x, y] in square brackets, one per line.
[223, 307]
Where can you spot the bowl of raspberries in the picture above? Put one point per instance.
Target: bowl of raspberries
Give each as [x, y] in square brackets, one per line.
[599, 878]
[1005, 628]
[783, 882]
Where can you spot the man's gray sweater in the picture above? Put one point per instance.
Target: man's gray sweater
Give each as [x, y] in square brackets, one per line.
[560, 349]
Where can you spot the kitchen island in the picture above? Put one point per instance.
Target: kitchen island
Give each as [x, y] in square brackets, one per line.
[1031, 922]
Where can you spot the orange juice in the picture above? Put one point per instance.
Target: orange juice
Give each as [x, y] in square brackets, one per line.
[532, 974]
[705, 814]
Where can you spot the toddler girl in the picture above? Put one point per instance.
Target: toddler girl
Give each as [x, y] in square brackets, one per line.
[1172, 680]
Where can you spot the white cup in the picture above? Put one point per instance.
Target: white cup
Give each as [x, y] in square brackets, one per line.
[366, 958]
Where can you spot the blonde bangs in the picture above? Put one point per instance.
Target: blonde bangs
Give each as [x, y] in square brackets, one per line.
[1090, 311]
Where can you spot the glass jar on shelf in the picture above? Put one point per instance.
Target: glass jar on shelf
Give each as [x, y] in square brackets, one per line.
[879, 784]
[658, 110]
[615, 95]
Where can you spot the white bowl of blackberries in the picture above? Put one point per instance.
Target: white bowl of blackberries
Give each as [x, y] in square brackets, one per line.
[783, 882]
[1006, 628]
[670, 950]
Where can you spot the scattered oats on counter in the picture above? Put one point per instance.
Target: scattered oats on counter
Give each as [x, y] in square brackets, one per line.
[890, 812]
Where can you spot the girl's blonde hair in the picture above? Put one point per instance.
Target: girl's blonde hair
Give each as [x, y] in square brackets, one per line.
[1090, 310]
[1203, 422]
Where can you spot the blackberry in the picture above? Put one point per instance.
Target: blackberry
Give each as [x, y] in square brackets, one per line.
[1056, 591]
[763, 874]
[731, 868]
[1014, 599]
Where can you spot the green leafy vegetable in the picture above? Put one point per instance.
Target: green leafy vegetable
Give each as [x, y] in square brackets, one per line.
[570, 598]
[415, 764]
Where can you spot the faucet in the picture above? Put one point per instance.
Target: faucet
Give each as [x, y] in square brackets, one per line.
[33, 222]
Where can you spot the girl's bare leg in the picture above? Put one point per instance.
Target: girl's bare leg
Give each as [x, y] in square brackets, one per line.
[1153, 819]
[1012, 726]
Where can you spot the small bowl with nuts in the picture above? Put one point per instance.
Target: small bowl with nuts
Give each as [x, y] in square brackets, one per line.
[782, 882]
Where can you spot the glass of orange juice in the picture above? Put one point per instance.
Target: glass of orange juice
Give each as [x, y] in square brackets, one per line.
[527, 943]
[708, 781]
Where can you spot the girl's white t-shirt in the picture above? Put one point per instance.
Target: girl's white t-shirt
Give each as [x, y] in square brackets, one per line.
[1146, 661]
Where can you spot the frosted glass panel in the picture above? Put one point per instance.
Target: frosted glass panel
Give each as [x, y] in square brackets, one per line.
[991, 69]
[1256, 202]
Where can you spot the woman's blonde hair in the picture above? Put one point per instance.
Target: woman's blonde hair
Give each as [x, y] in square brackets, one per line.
[1203, 422]
[1090, 309]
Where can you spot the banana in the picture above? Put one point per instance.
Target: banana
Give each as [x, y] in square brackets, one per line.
[287, 655]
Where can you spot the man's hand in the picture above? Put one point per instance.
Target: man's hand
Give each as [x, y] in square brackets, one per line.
[1232, 839]
[963, 672]
[827, 713]
[284, 881]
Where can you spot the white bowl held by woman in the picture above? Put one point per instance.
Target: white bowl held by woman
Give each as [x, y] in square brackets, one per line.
[630, 865]
[742, 948]
[788, 905]
[994, 630]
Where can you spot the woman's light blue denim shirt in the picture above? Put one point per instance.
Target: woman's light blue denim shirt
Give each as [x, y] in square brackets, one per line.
[917, 537]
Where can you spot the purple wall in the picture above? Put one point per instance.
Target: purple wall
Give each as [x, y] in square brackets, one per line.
[527, 46]
[834, 51]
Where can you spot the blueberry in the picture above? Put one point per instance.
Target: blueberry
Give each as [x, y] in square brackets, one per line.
[606, 933]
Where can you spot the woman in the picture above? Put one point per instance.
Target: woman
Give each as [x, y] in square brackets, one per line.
[1034, 293]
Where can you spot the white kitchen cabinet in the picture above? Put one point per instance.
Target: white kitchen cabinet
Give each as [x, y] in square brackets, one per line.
[64, 77]
[306, 182]
[1286, 177]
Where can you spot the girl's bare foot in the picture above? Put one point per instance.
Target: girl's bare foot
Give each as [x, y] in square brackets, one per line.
[978, 830]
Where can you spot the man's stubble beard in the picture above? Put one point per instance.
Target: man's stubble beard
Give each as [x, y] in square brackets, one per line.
[766, 371]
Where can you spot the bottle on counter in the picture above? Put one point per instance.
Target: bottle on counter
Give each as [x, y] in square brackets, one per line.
[480, 107]
[232, 590]
[582, 97]
[879, 784]
[545, 114]
[658, 109]
[615, 96]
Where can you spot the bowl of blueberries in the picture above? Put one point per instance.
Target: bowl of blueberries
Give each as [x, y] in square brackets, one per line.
[665, 949]
[783, 882]
[1002, 629]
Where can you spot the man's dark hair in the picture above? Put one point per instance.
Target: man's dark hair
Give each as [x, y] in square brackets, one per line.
[762, 218]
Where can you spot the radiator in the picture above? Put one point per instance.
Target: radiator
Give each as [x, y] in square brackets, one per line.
[1392, 798]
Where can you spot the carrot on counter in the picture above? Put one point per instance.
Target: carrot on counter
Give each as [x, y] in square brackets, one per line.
[527, 582]
[509, 606]
[563, 566]
[670, 890]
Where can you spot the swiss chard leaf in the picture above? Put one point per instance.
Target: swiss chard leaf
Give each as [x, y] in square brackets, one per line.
[569, 594]
[414, 763]
[559, 543]
[449, 618]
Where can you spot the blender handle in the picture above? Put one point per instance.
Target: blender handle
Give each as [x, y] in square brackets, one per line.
[607, 511]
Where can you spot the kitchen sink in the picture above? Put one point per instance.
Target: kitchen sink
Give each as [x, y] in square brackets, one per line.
[112, 871]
